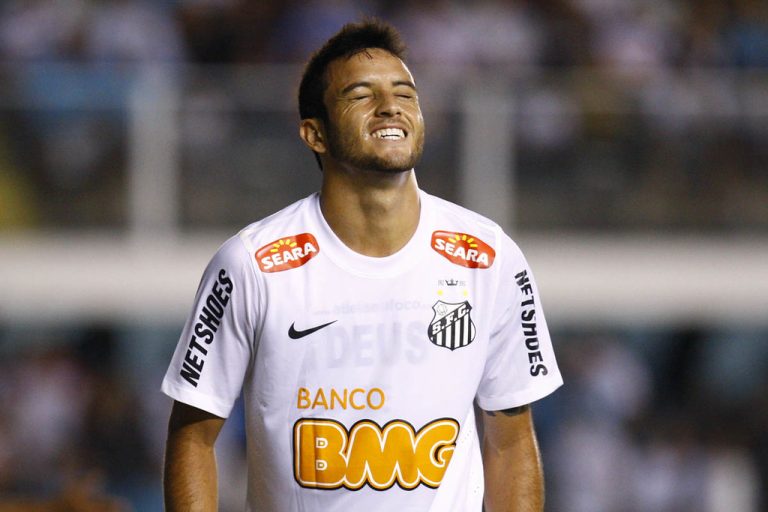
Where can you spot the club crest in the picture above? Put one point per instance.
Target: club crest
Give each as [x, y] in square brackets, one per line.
[451, 326]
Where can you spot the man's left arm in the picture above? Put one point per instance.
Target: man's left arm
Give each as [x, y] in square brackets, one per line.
[514, 480]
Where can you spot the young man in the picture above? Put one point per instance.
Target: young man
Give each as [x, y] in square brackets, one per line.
[362, 323]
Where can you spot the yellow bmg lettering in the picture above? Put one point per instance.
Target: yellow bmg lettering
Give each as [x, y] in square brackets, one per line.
[327, 456]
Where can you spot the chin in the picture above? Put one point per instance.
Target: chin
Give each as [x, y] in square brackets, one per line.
[391, 170]
[393, 166]
[395, 162]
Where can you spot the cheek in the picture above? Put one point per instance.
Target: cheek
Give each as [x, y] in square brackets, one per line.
[352, 122]
[355, 134]
[418, 118]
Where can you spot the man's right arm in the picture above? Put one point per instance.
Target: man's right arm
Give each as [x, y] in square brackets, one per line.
[190, 481]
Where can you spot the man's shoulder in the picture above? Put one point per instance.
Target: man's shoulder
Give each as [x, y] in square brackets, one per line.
[455, 217]
[289, 221]
[450, 217]
[284, 224]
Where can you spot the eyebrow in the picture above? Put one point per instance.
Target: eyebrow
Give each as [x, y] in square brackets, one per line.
[396, 83]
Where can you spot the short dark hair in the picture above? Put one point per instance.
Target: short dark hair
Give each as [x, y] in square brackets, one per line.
[352, 39]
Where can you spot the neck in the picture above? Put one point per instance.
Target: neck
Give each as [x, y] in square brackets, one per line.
[374, 214]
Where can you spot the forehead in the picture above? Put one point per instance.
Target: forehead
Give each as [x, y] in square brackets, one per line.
[371, 65]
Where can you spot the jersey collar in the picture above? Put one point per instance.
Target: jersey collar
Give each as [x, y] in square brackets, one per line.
[374, 267]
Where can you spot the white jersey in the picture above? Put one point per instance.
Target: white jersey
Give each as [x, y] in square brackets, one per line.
[359, 373]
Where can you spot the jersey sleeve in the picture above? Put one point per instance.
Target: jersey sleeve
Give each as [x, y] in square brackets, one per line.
[216, 344]
[520, 367]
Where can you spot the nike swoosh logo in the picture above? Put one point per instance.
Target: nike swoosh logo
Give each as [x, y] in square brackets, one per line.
[295, 335]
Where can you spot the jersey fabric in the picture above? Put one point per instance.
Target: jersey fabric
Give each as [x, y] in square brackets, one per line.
[358, 373]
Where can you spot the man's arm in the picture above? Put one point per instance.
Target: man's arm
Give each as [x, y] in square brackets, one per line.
[190, 481]
[514, 481]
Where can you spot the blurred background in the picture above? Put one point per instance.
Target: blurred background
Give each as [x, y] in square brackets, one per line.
[622, 143]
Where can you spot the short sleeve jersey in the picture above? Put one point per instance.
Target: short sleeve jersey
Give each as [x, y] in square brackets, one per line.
[359, 374]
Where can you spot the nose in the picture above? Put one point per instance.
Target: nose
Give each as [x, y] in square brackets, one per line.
[388, 105]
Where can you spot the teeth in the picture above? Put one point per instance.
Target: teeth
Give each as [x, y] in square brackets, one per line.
[389, 133]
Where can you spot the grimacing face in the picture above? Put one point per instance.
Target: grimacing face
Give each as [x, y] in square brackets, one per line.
[374, 118]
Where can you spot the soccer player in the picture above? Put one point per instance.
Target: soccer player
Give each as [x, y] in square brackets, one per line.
[362, 323]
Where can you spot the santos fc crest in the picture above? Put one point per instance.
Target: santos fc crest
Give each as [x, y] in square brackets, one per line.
[451, 327]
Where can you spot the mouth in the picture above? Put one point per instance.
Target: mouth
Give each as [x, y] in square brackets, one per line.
[389, 134]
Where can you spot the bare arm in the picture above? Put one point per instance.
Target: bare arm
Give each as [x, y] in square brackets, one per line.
[513, 476]
[190, 481]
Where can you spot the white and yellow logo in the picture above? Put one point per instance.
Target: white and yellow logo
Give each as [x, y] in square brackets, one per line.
[328, 456]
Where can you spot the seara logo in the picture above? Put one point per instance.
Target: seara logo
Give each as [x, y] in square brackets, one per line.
[463, 249]
[287, 253]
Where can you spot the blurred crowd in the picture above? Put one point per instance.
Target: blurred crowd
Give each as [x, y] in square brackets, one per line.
[616, 33]
[71, 415]
[668, 420]
[630, 114]
[662, 420]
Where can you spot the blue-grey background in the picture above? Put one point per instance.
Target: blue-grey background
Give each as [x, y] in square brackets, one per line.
[623, 144]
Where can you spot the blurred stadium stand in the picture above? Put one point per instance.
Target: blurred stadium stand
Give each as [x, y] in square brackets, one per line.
[623, 144]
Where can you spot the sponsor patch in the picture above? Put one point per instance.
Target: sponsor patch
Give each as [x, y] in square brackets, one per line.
[528, 322]
[327, 455]
[209, 320]
[451, 327]
[463, 249]
[287, 253]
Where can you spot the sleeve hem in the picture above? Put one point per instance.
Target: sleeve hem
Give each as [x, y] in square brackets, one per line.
[524, 397]
[196, 399]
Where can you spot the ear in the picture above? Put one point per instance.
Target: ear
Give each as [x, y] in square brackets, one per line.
[312, 133]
